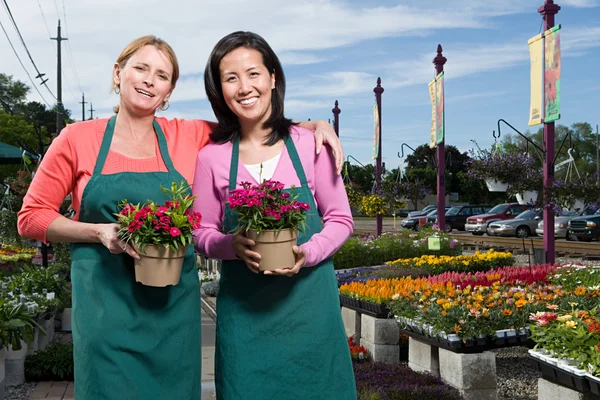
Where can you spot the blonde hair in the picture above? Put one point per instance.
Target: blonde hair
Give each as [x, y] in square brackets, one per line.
[149, 40]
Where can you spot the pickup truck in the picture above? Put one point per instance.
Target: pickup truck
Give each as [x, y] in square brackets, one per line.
[585, 228]
[478, 224]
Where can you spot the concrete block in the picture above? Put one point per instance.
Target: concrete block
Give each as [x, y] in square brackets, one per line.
[15, 365]
[552, 391]
[33, 347]
[379, 330]
[473, 374]
[44, 340]
[423, 357]
[349, 317]
[387, 353]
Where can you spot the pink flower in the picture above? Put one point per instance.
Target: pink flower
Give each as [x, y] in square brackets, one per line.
[175, 232]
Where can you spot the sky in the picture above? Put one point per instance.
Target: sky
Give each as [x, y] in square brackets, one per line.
[330, 50]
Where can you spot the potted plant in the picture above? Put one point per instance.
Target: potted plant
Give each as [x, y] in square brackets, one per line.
[513, 172]
[272, 218]
[160, 234]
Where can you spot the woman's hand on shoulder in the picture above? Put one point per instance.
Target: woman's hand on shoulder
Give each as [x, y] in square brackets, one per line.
[107, 235]
[324, 134]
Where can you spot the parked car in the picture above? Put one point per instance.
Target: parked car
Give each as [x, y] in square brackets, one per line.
[426, 210]
[522, 226]
[403, 212]
[585, 228]
[418, 221]
[456, 216]
[561, 223]
[478, 224]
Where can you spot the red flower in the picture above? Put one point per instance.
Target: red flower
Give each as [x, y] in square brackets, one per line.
[175, 232]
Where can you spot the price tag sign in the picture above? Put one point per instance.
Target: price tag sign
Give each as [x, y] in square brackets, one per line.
[434, 243]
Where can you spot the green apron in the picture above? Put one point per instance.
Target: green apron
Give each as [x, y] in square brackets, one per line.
[131, 341]
[278, 337]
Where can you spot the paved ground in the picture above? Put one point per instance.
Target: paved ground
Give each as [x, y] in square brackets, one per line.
[64, 390]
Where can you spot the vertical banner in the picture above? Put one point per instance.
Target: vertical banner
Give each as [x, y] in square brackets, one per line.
[552, 74]
[439, 108]
[536, 81]
[432, 139]
[376, 132]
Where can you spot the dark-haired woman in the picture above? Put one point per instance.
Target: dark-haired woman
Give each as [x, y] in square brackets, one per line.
[279, 334]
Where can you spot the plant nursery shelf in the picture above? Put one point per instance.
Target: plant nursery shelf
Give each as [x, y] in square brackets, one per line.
[471, 346]
[565, 378]
[365, 307]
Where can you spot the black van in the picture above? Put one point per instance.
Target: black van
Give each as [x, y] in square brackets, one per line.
[456, 216]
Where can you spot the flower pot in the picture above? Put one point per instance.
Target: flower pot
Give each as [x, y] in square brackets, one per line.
[159, 266]
[15, 365]
[275, 248]
[65, 320]
[496, 186]
[529, 196]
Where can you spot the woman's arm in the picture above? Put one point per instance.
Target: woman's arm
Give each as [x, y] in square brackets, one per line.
[332, 201]
[209, 239]
[39, 217]
[324, 133]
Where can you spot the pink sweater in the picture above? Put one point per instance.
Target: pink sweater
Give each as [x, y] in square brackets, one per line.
[69, 163]
[211, 184]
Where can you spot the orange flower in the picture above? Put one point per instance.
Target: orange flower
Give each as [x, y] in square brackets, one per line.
[456, 328]
[579, 291]
[520, 303]
[506, 312]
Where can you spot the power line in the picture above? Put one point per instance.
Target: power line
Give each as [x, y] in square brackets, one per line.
[39, 74]
[69, 51]
[46, 24]
[21, 62]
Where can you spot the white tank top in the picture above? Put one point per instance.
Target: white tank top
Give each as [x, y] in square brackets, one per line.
[264, 170]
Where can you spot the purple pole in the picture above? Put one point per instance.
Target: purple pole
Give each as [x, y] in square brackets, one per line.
[336, 118]
[378, 90]
[439, 62]
[548, 10]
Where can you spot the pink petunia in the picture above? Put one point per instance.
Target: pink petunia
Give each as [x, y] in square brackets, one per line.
[175, 232]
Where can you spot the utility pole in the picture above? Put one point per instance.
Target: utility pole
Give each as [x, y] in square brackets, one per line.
[548, 10]
[439, 62]
[59, 104]
[83, 103]
[92, 111]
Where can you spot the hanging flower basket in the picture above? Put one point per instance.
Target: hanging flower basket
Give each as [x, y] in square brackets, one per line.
[496, 186]
[527, 197]
[275, 248]
[159, 265]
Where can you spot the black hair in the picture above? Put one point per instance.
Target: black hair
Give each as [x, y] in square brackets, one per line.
[229, 126]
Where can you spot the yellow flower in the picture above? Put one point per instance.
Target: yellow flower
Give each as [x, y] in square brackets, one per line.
[564, 318]
[571, 324]
[520, 303]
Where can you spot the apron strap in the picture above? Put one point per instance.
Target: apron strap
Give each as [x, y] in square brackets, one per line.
[107, 140]
[233, 167]
[293, 153]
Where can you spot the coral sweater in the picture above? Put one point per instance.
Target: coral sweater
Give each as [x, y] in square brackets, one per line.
[69, 164]
[211, 184]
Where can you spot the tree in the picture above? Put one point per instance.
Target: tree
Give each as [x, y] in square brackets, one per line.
[362, 178]
[12, 93]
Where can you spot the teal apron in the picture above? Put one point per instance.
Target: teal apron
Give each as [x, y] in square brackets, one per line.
[130, 341]
[281, 338]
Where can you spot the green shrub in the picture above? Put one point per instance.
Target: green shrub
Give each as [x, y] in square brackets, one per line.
[55, 363]
[371, 250]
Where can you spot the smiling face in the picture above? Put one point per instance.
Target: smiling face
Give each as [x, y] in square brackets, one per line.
[247, 85]
[145, 80]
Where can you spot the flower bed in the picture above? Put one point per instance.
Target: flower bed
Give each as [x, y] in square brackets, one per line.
[375, 381]
[371, 250]
[448, 307]
[467, 263]
[13, 258]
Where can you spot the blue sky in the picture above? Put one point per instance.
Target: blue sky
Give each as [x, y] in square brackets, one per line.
[334, 50]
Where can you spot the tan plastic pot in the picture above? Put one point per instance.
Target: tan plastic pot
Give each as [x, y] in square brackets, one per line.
[276, 249]
[159, 266]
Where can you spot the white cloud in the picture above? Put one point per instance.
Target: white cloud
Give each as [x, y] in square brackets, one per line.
[579, 3]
